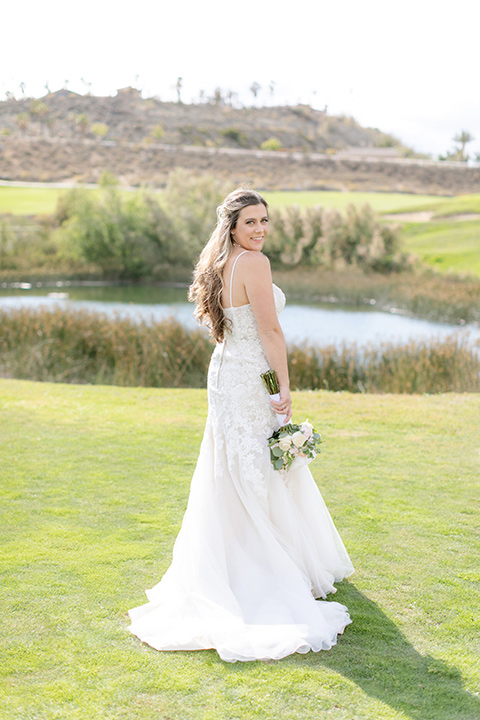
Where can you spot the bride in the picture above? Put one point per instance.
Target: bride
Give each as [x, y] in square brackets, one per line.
[256, 546]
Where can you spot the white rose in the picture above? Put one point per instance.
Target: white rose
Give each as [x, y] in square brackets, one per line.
[307, 429]
[298, 438]
[285, 443]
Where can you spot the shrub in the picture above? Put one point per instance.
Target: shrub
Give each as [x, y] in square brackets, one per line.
[326, 238]
[191, 203]
[99, 129]
[157, 132]
[38, 108]
[271, 144]
[24, 246]
[124, 236]
[235, 135]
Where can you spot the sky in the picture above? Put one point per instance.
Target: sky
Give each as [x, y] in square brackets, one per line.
[409, 68]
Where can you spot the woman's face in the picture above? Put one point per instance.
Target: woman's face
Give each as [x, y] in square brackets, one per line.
[252, 227]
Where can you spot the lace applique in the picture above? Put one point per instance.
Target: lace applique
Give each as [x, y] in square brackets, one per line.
[240, 412]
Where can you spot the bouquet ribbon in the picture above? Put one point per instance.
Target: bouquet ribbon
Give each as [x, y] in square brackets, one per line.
[270, 381]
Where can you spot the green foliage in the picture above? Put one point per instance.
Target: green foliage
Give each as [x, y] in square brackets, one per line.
[99, 129]
[157, 132]
[463, 138]
[325, 238]
[38, 108]
[5, 131]
[24, 246]
[235, 135]
[272, 143]
[95, 482]
[345, 233]
[124, 235]
[191, 204]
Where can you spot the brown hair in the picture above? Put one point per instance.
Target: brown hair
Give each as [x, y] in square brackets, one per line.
[206, 288]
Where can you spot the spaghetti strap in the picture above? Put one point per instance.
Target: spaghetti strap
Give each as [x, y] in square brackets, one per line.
[231, 276]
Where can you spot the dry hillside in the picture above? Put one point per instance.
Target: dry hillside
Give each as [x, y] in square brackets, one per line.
[65, 136]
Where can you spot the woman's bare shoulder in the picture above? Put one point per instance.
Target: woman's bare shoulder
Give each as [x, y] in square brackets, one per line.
[255, 261]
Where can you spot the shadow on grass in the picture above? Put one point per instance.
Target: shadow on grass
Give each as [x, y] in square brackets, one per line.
[375, 655]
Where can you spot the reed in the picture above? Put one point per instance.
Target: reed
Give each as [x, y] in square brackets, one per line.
[426, 294]
[448, 365]
[86, 347]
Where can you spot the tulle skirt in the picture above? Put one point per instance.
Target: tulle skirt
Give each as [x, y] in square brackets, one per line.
[249, 564]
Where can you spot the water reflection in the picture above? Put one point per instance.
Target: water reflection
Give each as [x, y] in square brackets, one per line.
[317, 323]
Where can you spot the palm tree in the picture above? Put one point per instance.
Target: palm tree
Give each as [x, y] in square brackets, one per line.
[462, 138]
[178, 88]
[254, 88]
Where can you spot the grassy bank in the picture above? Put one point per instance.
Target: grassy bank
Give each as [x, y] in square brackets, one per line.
[448, 246]
[443, 207]
[93, 492]
[86, 347]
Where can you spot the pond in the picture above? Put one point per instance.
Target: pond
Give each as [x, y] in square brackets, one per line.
[319, 323]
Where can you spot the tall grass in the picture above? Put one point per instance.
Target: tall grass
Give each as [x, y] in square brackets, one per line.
[85, 347]
[417, 367]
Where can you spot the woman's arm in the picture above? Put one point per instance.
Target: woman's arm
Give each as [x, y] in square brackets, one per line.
[257, 278]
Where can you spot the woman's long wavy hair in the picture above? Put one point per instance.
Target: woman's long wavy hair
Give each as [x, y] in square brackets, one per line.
[206, 288]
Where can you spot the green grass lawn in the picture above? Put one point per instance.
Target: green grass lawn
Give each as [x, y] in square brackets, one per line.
[381, 202]
[95, 482]
[32, 201]
[443, 207]
[29, 201]
[448, 246]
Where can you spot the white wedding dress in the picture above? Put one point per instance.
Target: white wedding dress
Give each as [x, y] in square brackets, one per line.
[256, 547]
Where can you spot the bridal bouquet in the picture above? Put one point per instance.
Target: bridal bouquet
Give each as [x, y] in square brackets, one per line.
[291, 446]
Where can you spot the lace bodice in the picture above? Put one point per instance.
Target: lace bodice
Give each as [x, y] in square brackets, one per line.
[242, 324]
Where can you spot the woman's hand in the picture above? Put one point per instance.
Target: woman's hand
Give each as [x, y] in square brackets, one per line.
[284, 405]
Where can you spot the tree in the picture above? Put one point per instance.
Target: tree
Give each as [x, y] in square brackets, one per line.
[271, 87]
[462, 138]
[87, 84]
[217, 98]
[254, 88]
[178, 88]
